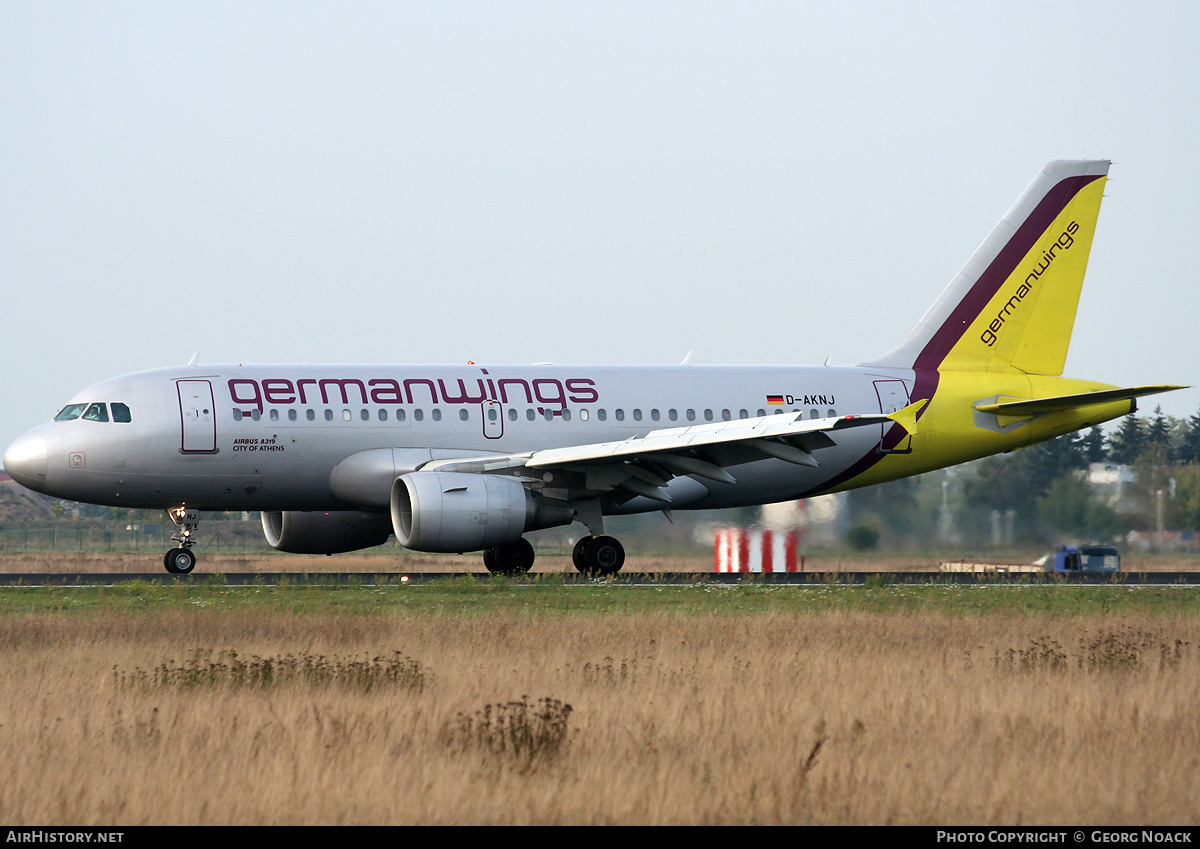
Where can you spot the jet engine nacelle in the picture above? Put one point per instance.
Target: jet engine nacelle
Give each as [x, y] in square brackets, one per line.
[460, 511]
[325, 533]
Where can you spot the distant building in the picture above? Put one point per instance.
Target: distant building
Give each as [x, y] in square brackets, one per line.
[822, 517]
[1110, 480]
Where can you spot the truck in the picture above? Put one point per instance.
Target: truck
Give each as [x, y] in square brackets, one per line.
[1090, 559]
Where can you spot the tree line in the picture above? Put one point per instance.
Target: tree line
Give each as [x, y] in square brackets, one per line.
[1150, 480]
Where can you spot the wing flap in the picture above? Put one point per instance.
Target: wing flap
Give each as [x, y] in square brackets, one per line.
[644, 464]
[788, 426]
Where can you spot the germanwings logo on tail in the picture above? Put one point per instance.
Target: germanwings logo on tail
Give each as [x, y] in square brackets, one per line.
[1063, 242]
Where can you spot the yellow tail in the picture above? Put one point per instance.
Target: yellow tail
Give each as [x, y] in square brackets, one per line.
[1012, 307]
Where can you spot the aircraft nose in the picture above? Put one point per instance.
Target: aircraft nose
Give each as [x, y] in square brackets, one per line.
[25, 460]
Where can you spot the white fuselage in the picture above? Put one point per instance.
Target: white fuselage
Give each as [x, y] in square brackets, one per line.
[272, 437]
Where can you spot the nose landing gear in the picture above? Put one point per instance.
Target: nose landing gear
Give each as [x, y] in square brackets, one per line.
[180, 561]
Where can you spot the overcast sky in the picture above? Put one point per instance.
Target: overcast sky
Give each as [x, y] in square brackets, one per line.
[570, 182]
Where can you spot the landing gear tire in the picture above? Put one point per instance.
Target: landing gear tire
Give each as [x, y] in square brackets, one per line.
[580, 552]
[179, 561]
[598, 556]
[512, 559]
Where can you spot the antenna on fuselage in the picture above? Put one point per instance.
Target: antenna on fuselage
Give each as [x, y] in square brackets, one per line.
[195, 360]
[687, 361]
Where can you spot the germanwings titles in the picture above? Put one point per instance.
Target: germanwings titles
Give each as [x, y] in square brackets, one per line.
[472, 458]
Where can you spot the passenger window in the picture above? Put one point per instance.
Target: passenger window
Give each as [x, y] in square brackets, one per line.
[691, 415]
[96, 413]
[462, 414]
[673, 415]
[548, 414]
[708, 416]
[583, 415]
[345, 415]
[237, 415]
[329, 415]
[726, 415]
[566, 415]
[761, 413]
[383, 414]
[743, 414]
[512, 415]
[365, 415]
[274, 415]
[120, 413]
[832, 413]
[637, 415]
[654, 415]
[437, 414]
[311, 415]
[256, 415]
[418, 415]
[529, 414]
[814, 413]
[602, 414]
[620, 414]
[71, 411]
[400, 415]
[291, 415]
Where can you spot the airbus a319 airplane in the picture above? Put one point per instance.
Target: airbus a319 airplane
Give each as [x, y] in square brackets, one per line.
[470, 458]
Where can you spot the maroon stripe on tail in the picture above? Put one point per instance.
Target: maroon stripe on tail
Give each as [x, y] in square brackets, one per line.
[989, 283]
[960, 318]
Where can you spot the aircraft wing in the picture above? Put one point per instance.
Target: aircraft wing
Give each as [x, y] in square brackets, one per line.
[642, 465]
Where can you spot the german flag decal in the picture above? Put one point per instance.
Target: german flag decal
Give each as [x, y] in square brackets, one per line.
[774, 399]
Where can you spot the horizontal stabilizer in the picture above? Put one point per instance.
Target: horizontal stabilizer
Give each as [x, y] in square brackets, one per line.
[1071, 402]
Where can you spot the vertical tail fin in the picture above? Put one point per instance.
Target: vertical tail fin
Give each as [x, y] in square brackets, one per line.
[1012, 307]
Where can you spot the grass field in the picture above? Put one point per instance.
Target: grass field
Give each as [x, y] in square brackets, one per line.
[479, 701]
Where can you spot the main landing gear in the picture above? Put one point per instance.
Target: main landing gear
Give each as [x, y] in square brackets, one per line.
[600, 555]
[513, 559]
[597, 556]
[180, 561]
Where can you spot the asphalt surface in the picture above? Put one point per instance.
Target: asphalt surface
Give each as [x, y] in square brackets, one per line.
[1130, 579]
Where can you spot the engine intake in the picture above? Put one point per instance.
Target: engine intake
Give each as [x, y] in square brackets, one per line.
[459, 511]
[325, 533]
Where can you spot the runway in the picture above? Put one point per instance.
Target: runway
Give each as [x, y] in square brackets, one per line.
[631, 579]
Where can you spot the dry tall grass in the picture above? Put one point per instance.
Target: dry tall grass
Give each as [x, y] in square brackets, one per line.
[829, 719]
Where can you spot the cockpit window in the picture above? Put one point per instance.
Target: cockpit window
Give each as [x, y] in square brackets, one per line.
[71, 411]
[96, 413]
[120, 412]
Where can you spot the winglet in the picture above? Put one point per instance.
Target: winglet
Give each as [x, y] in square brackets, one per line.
[907, 417]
